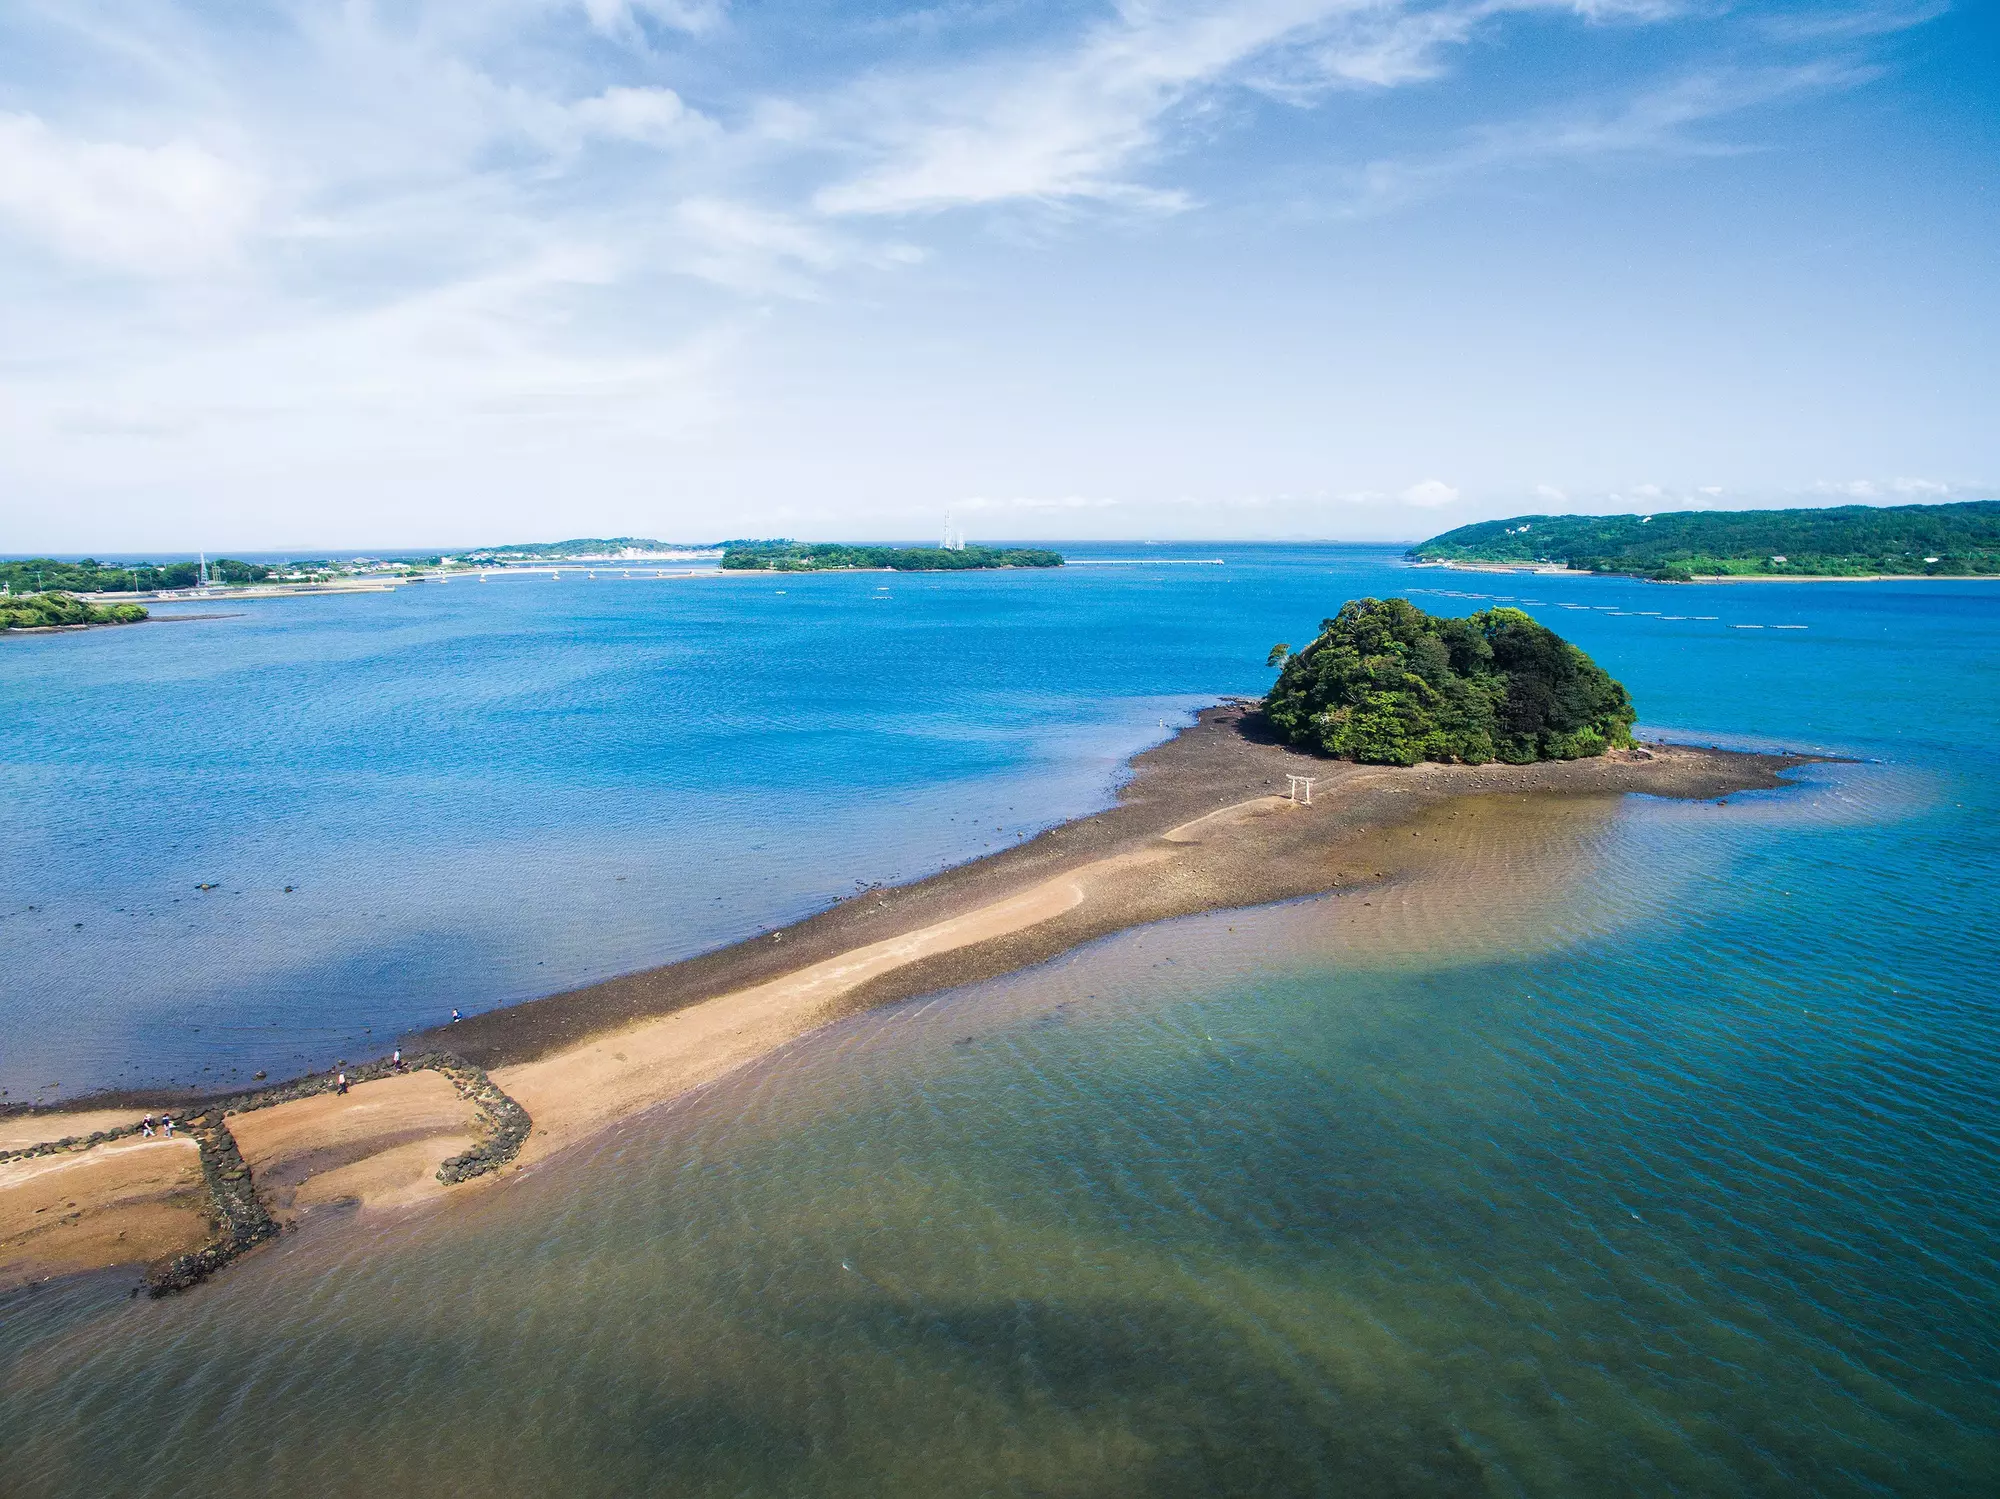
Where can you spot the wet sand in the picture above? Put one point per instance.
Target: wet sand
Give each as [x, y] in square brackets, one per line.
[128, 1202]
[380, 1144]
[1201, 826]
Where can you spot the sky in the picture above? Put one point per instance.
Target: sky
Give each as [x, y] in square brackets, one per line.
[450, 272]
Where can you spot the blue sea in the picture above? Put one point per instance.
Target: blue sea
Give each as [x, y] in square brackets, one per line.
[1664, 1158]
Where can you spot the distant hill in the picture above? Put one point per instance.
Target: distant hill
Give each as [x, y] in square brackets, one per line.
[1847, 541]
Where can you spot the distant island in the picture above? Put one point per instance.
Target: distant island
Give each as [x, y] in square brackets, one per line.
[50, 611]
[95, 579]
[582, 549]
[1849, 541]
[1387, 684]
[794, 557]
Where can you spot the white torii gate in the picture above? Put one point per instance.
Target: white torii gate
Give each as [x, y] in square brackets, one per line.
[1301, 790]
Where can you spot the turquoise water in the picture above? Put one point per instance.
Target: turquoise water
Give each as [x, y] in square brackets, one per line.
[1662, 1161]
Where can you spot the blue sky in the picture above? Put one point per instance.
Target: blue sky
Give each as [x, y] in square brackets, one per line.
[443, 271]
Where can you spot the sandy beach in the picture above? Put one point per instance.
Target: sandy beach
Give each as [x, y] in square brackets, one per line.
[1203, 824]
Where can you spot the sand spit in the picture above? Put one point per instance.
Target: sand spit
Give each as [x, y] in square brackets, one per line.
[1203, 825]
[1200, 828]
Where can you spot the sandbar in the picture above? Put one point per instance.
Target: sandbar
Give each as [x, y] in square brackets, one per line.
[1203, 824]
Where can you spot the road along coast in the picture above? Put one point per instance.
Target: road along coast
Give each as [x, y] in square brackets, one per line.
[1203, 824]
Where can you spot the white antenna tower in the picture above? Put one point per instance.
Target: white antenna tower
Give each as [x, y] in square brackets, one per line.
[953, 541]
[201, 570]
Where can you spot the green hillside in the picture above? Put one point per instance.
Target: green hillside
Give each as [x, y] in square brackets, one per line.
[1848, 541]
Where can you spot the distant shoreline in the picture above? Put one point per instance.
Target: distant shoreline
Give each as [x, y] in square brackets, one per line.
[1537, 570]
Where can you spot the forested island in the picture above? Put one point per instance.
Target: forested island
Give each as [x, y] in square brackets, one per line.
[1848, 541]
[795, 557]
[1387, 684]
[47, 611]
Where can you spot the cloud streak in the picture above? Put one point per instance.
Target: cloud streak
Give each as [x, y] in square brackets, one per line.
[1660, 121]
[1082, 121]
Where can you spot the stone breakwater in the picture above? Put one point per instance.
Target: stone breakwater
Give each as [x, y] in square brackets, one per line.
[507, 1122]
[240, 1219]
[239, 1215]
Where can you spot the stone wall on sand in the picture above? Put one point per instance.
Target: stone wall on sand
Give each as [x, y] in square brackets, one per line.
[239, 1216]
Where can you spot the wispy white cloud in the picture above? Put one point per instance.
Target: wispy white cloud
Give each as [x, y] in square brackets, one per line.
[166, 209]
[752, 249]
[1658, 121]
[651, 116]
[1082, 121]
[1827, 23]
[1904, 490]
[1429, 494]
[1015, 504]
[623, 18]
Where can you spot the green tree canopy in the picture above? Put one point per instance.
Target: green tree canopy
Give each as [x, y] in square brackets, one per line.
[1387, 684]
[40, 611]
[1848, 540]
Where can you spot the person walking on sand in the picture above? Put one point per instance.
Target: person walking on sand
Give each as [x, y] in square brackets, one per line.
[340, 1082]
[146, 1126]
[167, 1124]
[396, 1061]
